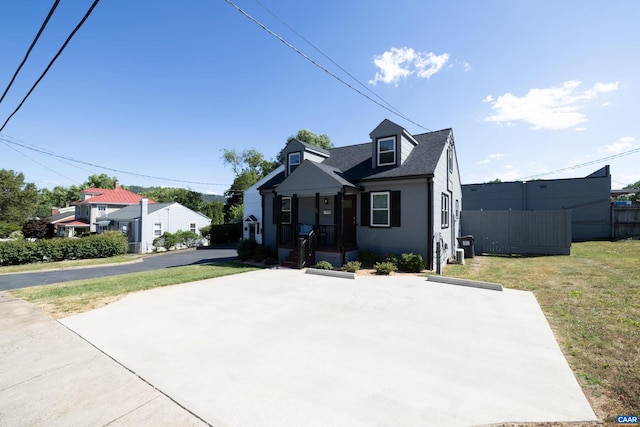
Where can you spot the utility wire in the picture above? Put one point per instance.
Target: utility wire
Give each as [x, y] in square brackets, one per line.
[295, 49]
[33, 43]
[35, 161]
[84, 18]
[3, 138]
[331, 60]
[592, 162]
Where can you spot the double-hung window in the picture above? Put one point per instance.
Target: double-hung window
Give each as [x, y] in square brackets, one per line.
[102, 210]
[285, 210]
[192, 227]
[445, 209]
[293, 162]
[157, 229]
[380, 209]
[386, 149]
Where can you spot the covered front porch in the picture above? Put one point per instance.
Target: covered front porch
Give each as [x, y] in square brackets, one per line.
[315, 218]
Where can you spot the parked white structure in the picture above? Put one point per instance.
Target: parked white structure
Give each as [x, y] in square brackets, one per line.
[252, 208]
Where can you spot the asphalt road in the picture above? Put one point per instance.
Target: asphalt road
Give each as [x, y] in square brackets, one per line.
[149, 262]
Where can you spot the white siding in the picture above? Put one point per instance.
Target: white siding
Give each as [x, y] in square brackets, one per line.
[253, 204]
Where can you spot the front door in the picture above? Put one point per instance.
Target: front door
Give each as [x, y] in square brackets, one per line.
[349, 220]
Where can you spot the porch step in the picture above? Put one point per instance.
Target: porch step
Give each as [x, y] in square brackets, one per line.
[291, 260]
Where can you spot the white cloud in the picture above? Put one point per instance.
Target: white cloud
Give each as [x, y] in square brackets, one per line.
[623, 144]
[490, 158]
[397, 63]
[509, 173]
[554, 108]
[466, 66]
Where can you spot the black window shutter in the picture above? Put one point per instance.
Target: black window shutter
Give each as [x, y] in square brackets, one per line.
[395, 209]
[365, 208]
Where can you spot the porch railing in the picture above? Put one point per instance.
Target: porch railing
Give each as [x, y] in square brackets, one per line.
[306, 248]
[327, 236]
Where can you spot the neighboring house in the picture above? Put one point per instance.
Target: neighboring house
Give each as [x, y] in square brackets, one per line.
[143, 222]
[61, 215]
[252, 208]
[397, 193]
[588, 199]
[96, 202]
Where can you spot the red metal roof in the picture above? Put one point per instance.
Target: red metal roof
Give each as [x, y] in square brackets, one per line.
[119, 196]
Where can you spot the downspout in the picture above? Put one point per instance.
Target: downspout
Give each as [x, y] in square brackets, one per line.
[429, 223]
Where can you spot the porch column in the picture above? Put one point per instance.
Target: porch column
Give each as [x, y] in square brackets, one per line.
[338, 220]
[294, 216]
[317, 217]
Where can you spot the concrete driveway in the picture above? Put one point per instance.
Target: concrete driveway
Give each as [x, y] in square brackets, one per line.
[284, 348]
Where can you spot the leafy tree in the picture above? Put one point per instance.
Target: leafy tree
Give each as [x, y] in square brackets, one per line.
[37, 228]
[495, 181]
[235, 214]
[100, 181]
[632, 197]
[309, 137]
[58, 197]
[191, 199]
[18, 200]
[215, 211]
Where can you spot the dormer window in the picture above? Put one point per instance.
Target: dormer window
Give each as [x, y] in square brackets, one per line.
[386, 151]
[293, 162]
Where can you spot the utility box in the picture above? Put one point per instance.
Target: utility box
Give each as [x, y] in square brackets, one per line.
[466, 244]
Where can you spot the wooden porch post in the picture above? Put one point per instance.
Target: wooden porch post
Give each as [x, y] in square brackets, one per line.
[317, 218]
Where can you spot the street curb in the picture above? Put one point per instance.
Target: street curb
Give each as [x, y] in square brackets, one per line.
[331, 273]
[79, 267]
[465, 282]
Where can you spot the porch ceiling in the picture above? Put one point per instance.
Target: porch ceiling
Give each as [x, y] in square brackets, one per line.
[310, 178]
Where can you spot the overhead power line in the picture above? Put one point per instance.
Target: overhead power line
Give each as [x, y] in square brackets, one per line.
[5, 139]
[64, 45]
[331, 60]
[581, 165]
[299, 52]
[33, 43]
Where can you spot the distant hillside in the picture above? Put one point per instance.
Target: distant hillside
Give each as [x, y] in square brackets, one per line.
[206, 197]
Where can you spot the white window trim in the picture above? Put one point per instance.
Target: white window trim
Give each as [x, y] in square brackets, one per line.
[445, 211]
[283, 210]
[387, 138]
[193, 227]
[289, 164]
[102, 208]
[154, 229]
[388, 208]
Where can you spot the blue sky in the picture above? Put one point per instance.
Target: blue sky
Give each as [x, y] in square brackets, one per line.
[160, 88]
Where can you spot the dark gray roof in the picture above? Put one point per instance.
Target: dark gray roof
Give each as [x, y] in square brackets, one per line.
[354, 161]
[132, 212]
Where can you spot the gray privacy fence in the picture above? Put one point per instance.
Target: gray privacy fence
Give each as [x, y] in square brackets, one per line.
[519, 232]
[626, 222]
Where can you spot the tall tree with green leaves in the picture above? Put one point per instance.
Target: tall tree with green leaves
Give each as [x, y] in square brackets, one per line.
[191, 199]
[18, 200]
[305, 135]
[100, 181]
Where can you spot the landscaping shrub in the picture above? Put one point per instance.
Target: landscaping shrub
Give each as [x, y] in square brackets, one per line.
[412, 263]
[167, 240]
[389, 258]
[367, 257]
[261, 252]
[270, 261]
[352, 266]
[324, 265]
[246, 249]
[384, 268]
[96, 246]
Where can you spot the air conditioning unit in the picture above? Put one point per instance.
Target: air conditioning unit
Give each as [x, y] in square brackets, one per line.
[460, 256]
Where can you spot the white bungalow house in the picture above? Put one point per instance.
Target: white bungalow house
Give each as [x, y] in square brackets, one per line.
[144, 222]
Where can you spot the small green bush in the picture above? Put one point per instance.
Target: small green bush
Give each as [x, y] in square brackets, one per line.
[367, 257]
[412, 263]
[324, 265]
[384, 268]
[270, 261]
[389, 258]
[352, 266]
[261, 252]
[246, 248]
[225, 233]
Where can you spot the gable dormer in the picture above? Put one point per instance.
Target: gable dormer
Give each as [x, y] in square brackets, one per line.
[296, 151]
[391, 144]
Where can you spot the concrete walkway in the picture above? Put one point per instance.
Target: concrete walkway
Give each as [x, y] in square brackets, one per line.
[51, 377]
[281, 348]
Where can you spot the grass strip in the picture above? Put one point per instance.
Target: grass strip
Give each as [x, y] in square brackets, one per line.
[61, 265]
[68, 298]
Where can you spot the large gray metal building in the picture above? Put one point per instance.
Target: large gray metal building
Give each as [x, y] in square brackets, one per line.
[588, 199]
